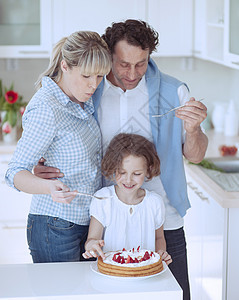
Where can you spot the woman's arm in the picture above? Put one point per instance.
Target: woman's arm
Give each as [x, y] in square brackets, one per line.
[27, 182]
[94, 243]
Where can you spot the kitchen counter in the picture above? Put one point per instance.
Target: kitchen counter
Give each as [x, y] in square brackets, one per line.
[224, 198]
[76, 280]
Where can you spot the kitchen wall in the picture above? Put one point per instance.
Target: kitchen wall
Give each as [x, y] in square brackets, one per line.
[205, 79]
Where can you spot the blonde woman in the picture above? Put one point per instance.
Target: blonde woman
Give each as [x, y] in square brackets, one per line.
[58, 124]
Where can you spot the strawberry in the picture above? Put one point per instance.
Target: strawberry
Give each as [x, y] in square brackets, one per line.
[138, 248]
[146, 256]
[136, 260]
[128, 260]
[118, 259]
[114, 257]
[122, 260]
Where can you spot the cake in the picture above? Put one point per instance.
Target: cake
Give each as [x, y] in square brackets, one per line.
[130, 263]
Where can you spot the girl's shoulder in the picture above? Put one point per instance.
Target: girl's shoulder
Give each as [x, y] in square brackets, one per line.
[105, 191]
[153, 197]
[152, 194]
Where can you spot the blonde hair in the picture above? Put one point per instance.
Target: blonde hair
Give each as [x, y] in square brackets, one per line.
[84, 49]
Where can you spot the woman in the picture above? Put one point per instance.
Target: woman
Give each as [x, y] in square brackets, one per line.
[58, 125]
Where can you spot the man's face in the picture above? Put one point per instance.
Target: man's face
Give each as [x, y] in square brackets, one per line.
[129, 65]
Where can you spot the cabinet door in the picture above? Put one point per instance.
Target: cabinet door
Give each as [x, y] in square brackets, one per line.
[173, 20]
[14, 205]
[193, 226]
[199, 40]
[74, 15]
[206, 233]
[25, 29]
[213, 252]
[231, 33]
[14, 248]
[233, 250]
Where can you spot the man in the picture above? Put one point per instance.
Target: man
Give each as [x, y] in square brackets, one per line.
[127, 100]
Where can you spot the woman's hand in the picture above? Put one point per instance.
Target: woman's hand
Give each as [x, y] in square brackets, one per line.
[165, 256]
[60, 192]
[94, 249]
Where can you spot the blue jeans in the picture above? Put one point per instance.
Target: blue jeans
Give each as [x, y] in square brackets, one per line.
[176, 247]
[51, 239]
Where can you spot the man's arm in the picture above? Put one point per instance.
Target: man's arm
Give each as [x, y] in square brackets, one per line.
[195, 145]
[46, 172]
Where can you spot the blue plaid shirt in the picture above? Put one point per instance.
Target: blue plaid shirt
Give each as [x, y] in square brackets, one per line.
[69, 138]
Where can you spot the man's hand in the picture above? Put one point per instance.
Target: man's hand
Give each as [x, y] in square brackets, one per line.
[195, 145]
[193, 114]
[46, 172]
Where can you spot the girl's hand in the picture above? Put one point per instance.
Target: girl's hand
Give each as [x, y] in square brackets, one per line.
[165, 256]
[94, 249]
[60, 192]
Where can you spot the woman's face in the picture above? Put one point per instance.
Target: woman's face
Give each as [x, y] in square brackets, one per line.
[77, 86]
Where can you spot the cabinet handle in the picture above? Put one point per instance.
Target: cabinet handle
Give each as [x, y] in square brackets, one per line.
[195, 189]
[196, 52]
[14, 227]
[33, 52]
[201, 196]
[190, 184]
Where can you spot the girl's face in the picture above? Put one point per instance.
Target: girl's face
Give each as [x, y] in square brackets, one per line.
[77, 86]
[132, 173]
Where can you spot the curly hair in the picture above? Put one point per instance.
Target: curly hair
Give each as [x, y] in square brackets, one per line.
[125, 144]
[135, 32]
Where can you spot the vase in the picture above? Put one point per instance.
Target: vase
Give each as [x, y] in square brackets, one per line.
[11, 137]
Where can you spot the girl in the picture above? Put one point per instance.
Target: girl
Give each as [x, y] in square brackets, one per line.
[130, 216]
[59, 125]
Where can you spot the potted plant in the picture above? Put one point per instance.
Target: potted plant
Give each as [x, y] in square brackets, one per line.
[12, 108]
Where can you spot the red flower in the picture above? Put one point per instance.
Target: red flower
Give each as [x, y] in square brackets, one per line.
[11, 97]
[6, 128]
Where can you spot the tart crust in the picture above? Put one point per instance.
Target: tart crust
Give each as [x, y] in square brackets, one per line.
[113, 270]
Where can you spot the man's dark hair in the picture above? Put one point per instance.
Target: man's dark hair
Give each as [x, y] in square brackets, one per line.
[136, 32]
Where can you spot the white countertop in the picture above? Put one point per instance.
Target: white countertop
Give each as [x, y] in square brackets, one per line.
[76, 280]
[224, 198]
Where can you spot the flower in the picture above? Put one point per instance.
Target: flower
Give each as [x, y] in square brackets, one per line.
[11, 97]
[6, 128]
[12, 106]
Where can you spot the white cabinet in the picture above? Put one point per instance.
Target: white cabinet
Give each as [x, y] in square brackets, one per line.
[231, 45]
[74, 15]
[233, 250]
[173, 20]
[209, 30]
[215, 31]
[14, 208]
[206, 234]
[25, 29]
[14, 248]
